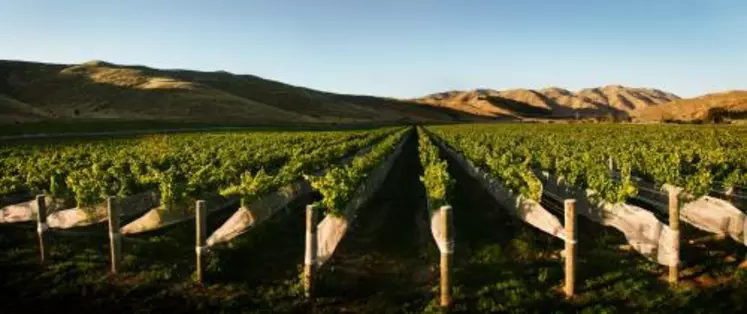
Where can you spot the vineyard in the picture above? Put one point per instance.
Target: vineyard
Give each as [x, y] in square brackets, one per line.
[473, 218]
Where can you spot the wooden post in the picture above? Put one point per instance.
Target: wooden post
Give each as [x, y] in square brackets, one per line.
[674, 225]
[446, 257]
[570, 247]
[200, 221]
[309, 260]
[41, 226]
[115, 238]
[731, 196]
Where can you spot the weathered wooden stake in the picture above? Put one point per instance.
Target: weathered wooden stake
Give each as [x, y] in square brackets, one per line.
[570, 247]
[115, 238]
[41, 226]
[674, 225]
[731, 196]
[200, 221]
[309, 260]
[446, 216]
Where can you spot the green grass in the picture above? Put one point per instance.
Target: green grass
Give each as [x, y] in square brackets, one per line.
[157, 270]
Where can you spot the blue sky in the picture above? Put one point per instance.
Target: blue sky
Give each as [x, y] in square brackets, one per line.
[400, 48]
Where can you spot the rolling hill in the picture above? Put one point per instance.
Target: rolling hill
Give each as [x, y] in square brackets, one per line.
[553, 102]
[706, 108]
[100, 91]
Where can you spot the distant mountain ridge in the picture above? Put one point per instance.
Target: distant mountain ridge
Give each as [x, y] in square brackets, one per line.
[102, 91]
[97, 90]
[552, 102]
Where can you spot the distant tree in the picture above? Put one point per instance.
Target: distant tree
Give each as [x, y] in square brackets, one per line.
[714, 115]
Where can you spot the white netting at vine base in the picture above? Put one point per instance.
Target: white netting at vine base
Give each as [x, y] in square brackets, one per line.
[260, 210]
[643, 231]
[28, 210]
[79, 217]
[712, 215]
[160, 217]
[332, 229]
[716, 216]
[523, 208]
[437, 216]
[706, 213]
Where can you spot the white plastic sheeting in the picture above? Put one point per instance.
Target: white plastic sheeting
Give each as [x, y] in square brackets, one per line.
[523, 208]
[713, 215]
[332, 229]
[445, 245]
[79, 217]
[643, 231]
[258, 211]
[158, 218]
[27, 211]
[73, 217]
[706, 213]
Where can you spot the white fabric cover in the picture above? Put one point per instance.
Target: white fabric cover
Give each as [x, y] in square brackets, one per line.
[645, 233]
[79, 217]
[331, 229]
[445, 246]
[706, 213]
[258, 211]
[525, 209]
[158, 218]
[68, 218]
[27, 211]
[713, 215]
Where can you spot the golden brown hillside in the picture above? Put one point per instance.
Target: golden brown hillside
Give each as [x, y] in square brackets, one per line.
[710, 107]
[554, 102]
[12, 110]
[98, 90]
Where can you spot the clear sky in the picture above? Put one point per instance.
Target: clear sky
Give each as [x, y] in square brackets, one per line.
[400, 48]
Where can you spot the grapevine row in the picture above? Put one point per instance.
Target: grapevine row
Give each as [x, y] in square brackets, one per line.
[435, 176]
[337, 186]
[181, 167]
[695, 158]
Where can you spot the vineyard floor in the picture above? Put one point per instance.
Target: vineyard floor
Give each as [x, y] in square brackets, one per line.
[387, 263]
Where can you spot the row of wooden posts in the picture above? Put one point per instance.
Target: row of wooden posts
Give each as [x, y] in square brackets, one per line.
[310, 258]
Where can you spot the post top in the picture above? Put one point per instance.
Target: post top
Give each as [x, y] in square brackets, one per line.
[672, 189]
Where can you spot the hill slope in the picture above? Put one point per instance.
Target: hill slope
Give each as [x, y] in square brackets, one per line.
[704, 108]
[103, 91]
[551, 102]
[12, 110]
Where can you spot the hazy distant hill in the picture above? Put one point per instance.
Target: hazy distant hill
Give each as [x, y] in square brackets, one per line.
[551, 102]
[731, 104]
[100, 91]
